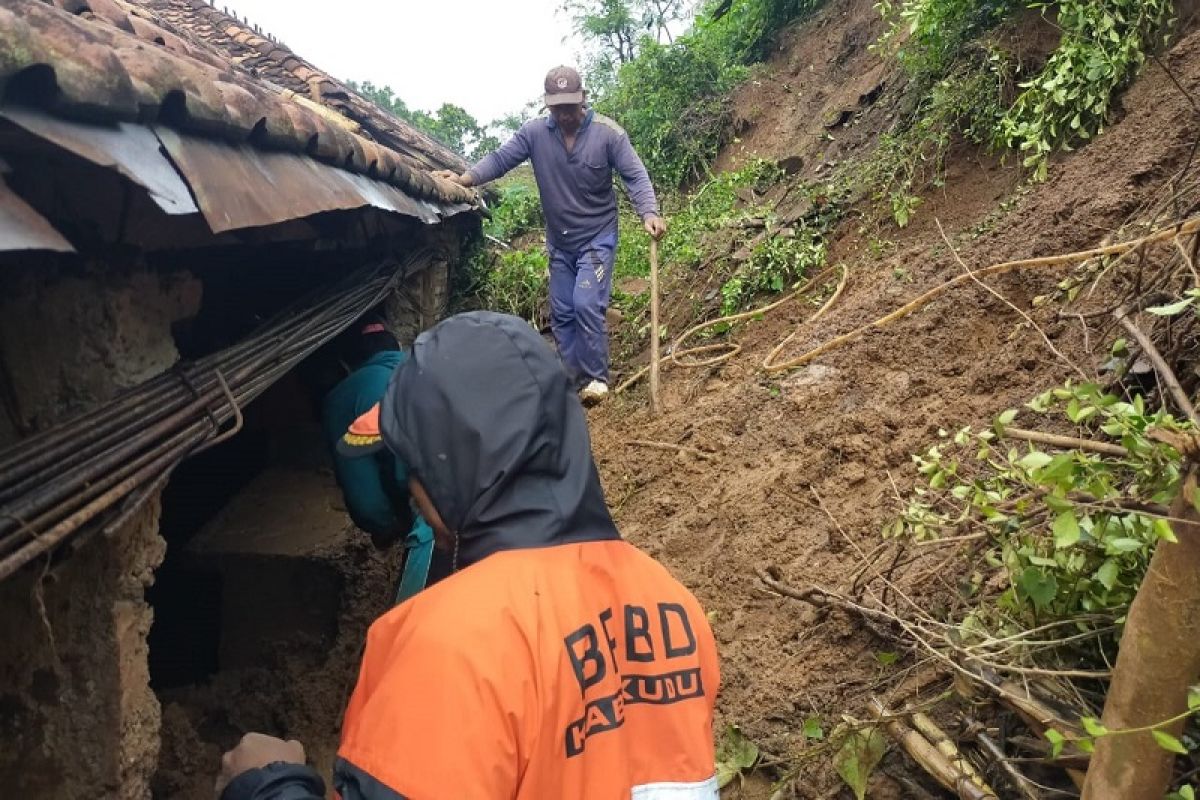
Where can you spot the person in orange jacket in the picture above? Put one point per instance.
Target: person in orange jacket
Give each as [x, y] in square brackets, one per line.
[557, 661]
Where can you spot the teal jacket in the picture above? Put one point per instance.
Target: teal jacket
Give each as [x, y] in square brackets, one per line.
[375, 486]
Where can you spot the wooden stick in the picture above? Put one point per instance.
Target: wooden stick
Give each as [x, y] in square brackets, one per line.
[1066, 442]
[1160, 365]
[679, 448]
[928, 757]
[655, 401]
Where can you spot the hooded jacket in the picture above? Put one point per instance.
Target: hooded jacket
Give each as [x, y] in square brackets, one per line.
[559, 661]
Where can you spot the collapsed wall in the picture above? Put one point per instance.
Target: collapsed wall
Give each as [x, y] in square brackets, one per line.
[79, 714]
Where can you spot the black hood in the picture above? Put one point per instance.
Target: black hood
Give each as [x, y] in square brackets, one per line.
[485, 416]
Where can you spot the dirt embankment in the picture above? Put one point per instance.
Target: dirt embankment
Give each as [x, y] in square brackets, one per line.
[803, 463]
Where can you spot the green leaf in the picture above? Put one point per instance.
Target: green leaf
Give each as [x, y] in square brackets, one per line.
[1006, 418]
[1193, 698]
[1162, 529]
[857, 757]
[1093, 726]
[1125, 544]
[1058, 504]
[1066, 529]
[1169, 743]
[1172, 309]
[1034, 460]
[812, 728]
[1108, 573]
[886, 659]
[734, 753]
[1056, 740]
[1039, 587]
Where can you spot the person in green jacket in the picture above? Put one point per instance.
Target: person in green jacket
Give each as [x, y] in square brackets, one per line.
[375, 488]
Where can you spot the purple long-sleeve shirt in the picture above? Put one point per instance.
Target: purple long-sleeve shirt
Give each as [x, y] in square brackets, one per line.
[577, 187]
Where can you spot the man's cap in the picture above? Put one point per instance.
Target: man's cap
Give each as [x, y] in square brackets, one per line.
[563, 87]
[363, 437]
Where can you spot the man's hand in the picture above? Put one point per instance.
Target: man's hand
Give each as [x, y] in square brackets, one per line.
[655, 225]
[254, 751]
[453, 177]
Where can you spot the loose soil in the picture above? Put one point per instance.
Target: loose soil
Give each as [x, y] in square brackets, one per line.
[807, 465]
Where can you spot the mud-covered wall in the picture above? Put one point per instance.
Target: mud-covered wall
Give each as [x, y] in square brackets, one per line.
[70, 341]
[77, 717]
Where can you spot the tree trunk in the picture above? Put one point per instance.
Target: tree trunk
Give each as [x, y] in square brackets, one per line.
[1158, 660]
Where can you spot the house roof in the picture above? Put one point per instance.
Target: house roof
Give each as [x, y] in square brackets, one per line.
[187, 66]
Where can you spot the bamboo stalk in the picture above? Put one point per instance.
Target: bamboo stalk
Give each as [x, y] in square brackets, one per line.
[928, 757]
[945, 745]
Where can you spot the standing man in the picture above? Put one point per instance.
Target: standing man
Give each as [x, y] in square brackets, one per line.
[574, 152]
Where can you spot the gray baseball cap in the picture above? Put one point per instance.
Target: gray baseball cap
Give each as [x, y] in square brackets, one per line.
[563, 87]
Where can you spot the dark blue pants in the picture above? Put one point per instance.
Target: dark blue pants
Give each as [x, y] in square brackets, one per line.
[580, 288]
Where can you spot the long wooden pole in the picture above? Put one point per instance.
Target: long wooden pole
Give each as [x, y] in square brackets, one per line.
[655, 402]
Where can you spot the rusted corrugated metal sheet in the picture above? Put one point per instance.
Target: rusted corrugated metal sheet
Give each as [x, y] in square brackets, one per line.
[132, 150]
[237, 186]
[22, 228]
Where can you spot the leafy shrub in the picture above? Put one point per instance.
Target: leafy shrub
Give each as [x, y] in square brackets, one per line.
[775, 265]
[516, 282]
[1073, 531]
[519, 210]
[1104, 44]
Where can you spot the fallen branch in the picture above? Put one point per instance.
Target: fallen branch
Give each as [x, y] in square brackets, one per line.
[1165, 373]
[1018, 781]
[929, 757]
[679, 448]
[823, 598]
[1178, 229]
[1065, 442]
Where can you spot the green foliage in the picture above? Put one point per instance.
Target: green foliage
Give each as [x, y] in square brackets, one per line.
[776, 264]
[1073, 530]
[735, 754]
[514, 282]
[616, 30]
[929, 36]
[673, 97]
[713, 205]
[855, 760]
[966, 103]
[1104, 44]
[673, 102]
[518, 210]
[451, 125]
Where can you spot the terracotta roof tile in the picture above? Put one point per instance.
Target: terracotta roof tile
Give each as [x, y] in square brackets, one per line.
[176, 62]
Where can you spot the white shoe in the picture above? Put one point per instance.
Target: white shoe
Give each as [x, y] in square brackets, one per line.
[593, 393]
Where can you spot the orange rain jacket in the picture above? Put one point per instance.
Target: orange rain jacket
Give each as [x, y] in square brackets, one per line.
[559, 662]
